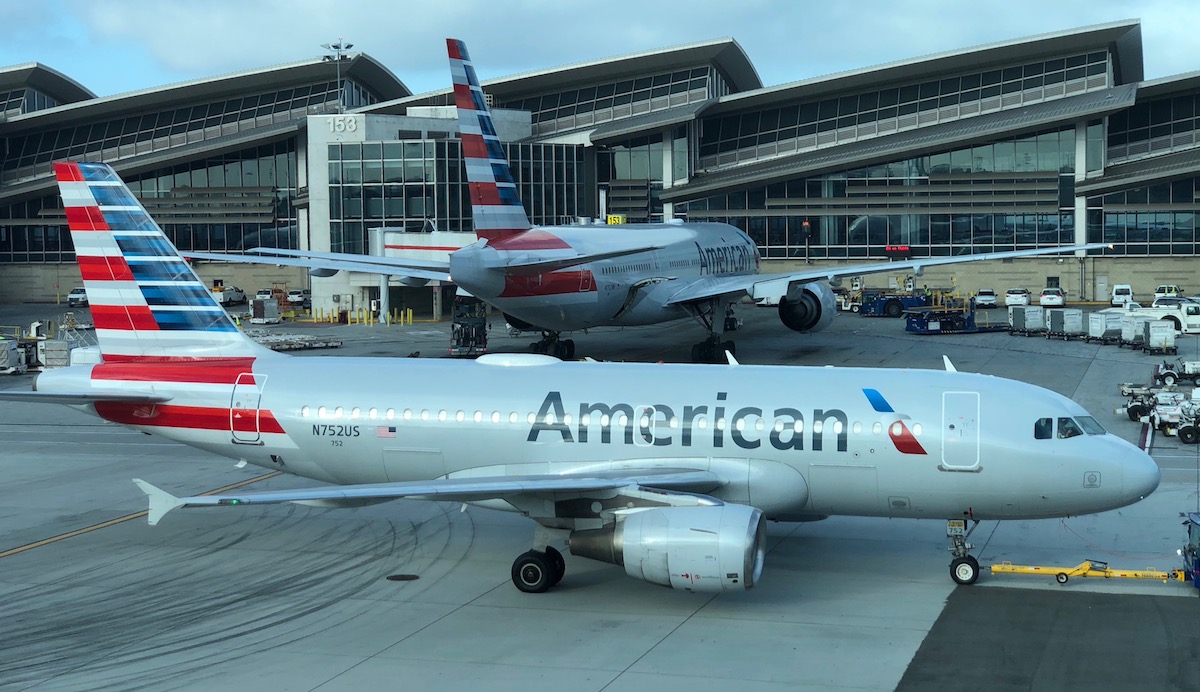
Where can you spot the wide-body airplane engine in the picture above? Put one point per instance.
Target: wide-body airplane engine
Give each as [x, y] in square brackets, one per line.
[808, 307]
[412, 281]
[709, 549]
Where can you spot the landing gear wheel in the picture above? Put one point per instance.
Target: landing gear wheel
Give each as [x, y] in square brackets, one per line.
[533, 572]
[1061, 577]
[964, 570]
[557, 563]
[569, 345]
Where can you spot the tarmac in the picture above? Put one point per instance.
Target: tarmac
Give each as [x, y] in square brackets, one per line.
[417, 595]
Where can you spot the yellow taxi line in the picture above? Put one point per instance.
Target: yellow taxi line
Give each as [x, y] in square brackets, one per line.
[127, 517]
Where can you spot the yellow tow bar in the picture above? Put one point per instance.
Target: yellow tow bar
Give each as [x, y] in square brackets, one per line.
[1089, 568]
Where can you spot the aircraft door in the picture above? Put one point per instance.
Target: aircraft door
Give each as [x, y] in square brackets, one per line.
[960, 431]
[586, 281]
[243, 408]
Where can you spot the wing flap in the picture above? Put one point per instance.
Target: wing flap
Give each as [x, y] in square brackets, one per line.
[452, 489]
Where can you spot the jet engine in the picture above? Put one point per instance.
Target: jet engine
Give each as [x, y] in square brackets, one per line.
[412, 281]
[708, 549]
[322, 273]
[808, 307]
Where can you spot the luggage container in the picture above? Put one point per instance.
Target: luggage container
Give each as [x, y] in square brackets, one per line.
[12, 358]
[1104, 327]
[1158, 336]
[1026, 319]
[1132, 331]
[1064, 323]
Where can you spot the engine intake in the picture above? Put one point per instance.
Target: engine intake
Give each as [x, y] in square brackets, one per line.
[704, 549]
[808, 307]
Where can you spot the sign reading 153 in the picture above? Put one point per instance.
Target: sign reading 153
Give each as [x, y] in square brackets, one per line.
[343, 123]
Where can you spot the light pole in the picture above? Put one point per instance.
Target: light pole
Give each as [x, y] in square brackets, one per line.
[338, 49]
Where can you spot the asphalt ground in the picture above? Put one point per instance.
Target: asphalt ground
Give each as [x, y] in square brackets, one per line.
[290, 597]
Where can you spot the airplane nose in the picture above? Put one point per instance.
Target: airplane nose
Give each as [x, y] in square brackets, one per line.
[1141, 475]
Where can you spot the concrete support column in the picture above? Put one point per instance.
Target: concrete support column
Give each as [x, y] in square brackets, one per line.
[1081, 167]
[668, 172]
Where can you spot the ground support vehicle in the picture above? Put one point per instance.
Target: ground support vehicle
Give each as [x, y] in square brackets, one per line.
[468, 334]
[1184, 316]
[265, 311]
[891, 304]
[1171, 372]
[1065, 324]
[1191, 551]
[1026, 320]
[950, 321]
[1159, 338]
[12, 358]
[227, 295]
[1141, 398]
[1090, 568]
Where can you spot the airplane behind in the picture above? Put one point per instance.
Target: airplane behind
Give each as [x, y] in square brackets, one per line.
[670, 470]
[557, 279]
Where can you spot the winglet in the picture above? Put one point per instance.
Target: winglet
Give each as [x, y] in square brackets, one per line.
[949, 366]
[161, 501]
[731, 359]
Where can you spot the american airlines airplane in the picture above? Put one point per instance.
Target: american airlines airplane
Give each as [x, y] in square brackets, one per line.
[670, 470]
[566, 278]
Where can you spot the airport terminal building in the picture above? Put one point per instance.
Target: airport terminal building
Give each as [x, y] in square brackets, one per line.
[1048, 140]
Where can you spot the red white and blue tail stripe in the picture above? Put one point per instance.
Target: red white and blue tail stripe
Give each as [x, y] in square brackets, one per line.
[495, 204]
[146, 302]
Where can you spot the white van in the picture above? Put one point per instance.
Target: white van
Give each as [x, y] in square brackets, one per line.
[1122, 294]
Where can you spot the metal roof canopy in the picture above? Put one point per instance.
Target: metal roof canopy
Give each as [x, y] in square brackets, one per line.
[1142, 173]
[46, 80]
[361, 67]
[963, 132]
[725, 54]
[1123, 37]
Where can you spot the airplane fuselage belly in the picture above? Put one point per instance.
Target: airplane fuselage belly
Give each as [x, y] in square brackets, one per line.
[349, 420]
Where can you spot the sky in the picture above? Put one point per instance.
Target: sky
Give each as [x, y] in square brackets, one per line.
[116, 46]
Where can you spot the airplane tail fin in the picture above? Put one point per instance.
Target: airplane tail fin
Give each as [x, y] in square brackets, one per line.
[147, 304]
[495, 205]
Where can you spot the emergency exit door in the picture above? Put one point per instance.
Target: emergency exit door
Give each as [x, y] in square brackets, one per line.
[243, 408]
[960, 431]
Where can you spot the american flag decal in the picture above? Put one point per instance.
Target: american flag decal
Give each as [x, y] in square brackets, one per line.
[385, 431]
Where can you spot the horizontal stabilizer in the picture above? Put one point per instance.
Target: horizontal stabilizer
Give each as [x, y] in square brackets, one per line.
[78, 398]
[161, 501]
[341, 262]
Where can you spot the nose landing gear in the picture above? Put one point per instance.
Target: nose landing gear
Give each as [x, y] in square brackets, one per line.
[964, 568]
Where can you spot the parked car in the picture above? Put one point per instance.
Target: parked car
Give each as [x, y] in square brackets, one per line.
[1121, 294]
[229, 295]
[299, 297]
[1171, 301]
[1052, 297]
[263, 294]
[1017, 296]
[1167, 290]
[985, 298]
[77, 297]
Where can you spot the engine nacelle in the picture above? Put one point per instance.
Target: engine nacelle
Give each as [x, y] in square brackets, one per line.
[708, 549]
[322, 273]
[808, 307]
[412, 281]
[521, 324]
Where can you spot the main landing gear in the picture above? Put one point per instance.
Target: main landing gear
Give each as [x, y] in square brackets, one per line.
[712, 349]
[964, 568]
[550, 344]
[536, 571]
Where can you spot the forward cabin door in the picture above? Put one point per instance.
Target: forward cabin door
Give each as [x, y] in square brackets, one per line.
[243, 408]
[960, 431]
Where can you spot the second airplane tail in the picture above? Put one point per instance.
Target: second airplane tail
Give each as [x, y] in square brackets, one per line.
[147, 303]
[495, 205]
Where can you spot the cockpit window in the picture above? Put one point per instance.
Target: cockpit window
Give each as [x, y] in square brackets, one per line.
[1043, 429]
[1091, 426]
[1067, 427]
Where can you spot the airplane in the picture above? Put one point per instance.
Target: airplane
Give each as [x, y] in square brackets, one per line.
[669, 470]
[557, 279]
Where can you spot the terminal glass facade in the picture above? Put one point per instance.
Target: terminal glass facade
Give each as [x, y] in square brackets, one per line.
[1155, 220]
[1005, 195]
[24, 100]
[403, 184]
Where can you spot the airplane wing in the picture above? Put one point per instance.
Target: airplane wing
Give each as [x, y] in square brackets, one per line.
[453, 489]
[90, 397]
[338, 261]
[759, 286]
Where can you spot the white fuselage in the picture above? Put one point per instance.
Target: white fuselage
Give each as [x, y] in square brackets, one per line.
[628, 290]
[795, 442]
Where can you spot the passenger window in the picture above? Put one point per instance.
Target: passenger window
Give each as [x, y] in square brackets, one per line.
[1067, 427]
[1043, 429]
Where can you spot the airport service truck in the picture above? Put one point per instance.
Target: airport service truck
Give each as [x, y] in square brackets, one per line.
[1185, 316]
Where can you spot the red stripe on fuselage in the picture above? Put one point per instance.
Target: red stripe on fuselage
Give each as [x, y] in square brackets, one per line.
[86, 219]
[532, 239]
[123, 317]
[187, 417]
[225, 371]
[554, 283]
[104, 268]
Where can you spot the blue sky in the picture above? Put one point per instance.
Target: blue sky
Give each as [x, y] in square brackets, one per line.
[115, 46]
